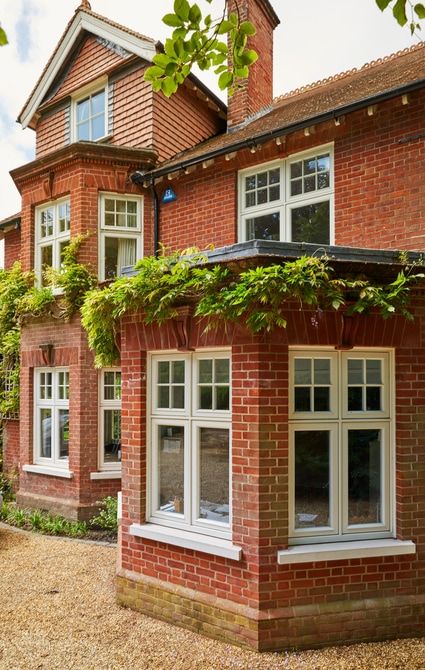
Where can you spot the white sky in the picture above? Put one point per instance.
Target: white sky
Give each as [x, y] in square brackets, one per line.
[316, 38]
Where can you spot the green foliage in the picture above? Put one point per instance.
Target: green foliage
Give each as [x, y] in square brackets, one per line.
[197, 39]
[107, 518]
[401, 9]
[3, 37]
[41, 522]
[258, 296]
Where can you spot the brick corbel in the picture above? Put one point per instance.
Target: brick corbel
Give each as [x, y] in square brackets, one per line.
[182, 327]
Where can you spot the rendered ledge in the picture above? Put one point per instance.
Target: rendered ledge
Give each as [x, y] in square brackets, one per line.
[344, 550]
[45, 470]
[187, 540]
[106, 475]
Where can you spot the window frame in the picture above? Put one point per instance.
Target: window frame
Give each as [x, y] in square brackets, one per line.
[191, 421]
[113, 404]
[55, 404]
[119, 232]
[340, 423]
[55, 240]
[82, 94]
[286, 203]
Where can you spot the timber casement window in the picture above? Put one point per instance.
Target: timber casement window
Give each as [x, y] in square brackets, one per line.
[120, 233]
[91, 116]
[340, 445]
[51, 424]
[289, 200]
[52, 233]
[190, 456]
[110, 420]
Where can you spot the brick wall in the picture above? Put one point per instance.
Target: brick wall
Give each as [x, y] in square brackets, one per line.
[10, 438]
[12, 247]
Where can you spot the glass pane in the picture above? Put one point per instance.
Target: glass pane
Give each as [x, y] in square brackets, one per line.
[131, 221]
[323, 163]
[323, 180]
[83, 110]
[222, 370]
[62, 247]
[364, 476]
[355, 398]
[309, 166]
[262, 196]
[131, 207]
[163, 372]
[63, 385]
[214, 474]
[274, 193]
[296, 169]
[355, 371]
[178, 372]
[171, 469]
[46, 256]
[98, 103]
[321, 399]
[373, 399]
[250, 182]
[302, 399]
[163, 396]
[63, 433]
[178, 397]
[111, 257]
[97, 127]
[309, 184]
[250, 199]
[312, 478]
[261, 179]
[83, 131]
[296, 187]
[265, 227]
[310, 223]
[373, 372]
[109, 219]
[111, 435]
[322, 371]
[109, 205]
[274, 176]
[45, 432]
[302, 371]
[222, 397]
[205, 397]
[205, 371]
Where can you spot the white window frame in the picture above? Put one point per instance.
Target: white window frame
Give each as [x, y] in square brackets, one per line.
[287, 202]
[55, 240]
[191, 419]
[114, 404]
[82, 94]
[127, 233]
[339, 422]
[54, 404]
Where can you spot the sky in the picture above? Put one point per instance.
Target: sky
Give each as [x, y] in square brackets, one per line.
[316, 39]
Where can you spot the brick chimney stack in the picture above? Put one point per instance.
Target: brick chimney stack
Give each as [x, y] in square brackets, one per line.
[257, 90]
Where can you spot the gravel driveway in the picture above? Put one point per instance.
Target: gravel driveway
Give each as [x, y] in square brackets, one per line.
[57, 611]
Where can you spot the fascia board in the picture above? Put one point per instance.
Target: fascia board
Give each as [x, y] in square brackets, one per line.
[93, 25]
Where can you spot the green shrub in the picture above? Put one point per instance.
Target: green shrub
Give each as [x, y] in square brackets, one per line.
[42, 522]
[108, 516]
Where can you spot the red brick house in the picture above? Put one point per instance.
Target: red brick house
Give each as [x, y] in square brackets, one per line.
[272, 485]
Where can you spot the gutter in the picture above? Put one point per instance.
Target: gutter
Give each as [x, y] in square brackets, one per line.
[291, 128]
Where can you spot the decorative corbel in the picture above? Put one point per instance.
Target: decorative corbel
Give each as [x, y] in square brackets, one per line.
[182, 326]
[48, 353]
[349, 324]
[48, 185]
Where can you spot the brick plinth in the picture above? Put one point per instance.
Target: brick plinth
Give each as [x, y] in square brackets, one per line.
[67, 507]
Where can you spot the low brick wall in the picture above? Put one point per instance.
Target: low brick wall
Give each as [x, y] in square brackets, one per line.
[303, 626]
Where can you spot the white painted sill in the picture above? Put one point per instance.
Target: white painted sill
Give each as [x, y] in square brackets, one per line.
[183, 538]
[106, 474]
[46, 470]
[310, 553]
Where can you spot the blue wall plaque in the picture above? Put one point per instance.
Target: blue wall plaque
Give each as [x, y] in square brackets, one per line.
[169, 196]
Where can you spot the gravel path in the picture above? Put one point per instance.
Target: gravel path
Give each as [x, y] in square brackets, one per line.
[57, 611]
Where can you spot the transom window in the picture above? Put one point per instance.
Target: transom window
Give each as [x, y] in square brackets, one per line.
[120, 233]
[190, 400]
[51, 426]
[289, 200]
[52, 233]
[341, 453]
[91, 117]
[110, 419]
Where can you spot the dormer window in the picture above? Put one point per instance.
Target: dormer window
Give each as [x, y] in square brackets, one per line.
[90, 113]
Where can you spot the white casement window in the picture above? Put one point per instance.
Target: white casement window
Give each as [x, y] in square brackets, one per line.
[341, 445]
[52, 233]
[121, 242]
[51, 420]
[110, 420]
[289, 200]
[190, 437]
[90, 115]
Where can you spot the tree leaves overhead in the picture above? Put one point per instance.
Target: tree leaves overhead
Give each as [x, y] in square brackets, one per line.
[3, 37]
[401, 9]
[218, 44]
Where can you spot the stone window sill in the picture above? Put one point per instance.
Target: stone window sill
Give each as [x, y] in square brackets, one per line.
[46, 470]
[106, 474]
[183, 538]
[334, 551]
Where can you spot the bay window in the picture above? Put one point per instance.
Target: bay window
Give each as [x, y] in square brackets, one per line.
[289, 200]
[120, 233]
[51, 425]
[190, 456]
[52, 234]
[341, 453]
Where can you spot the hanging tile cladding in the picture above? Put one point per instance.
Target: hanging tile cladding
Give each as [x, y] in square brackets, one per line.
[182, 121]
[53, 132]
[92, 61]
[132, 110]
